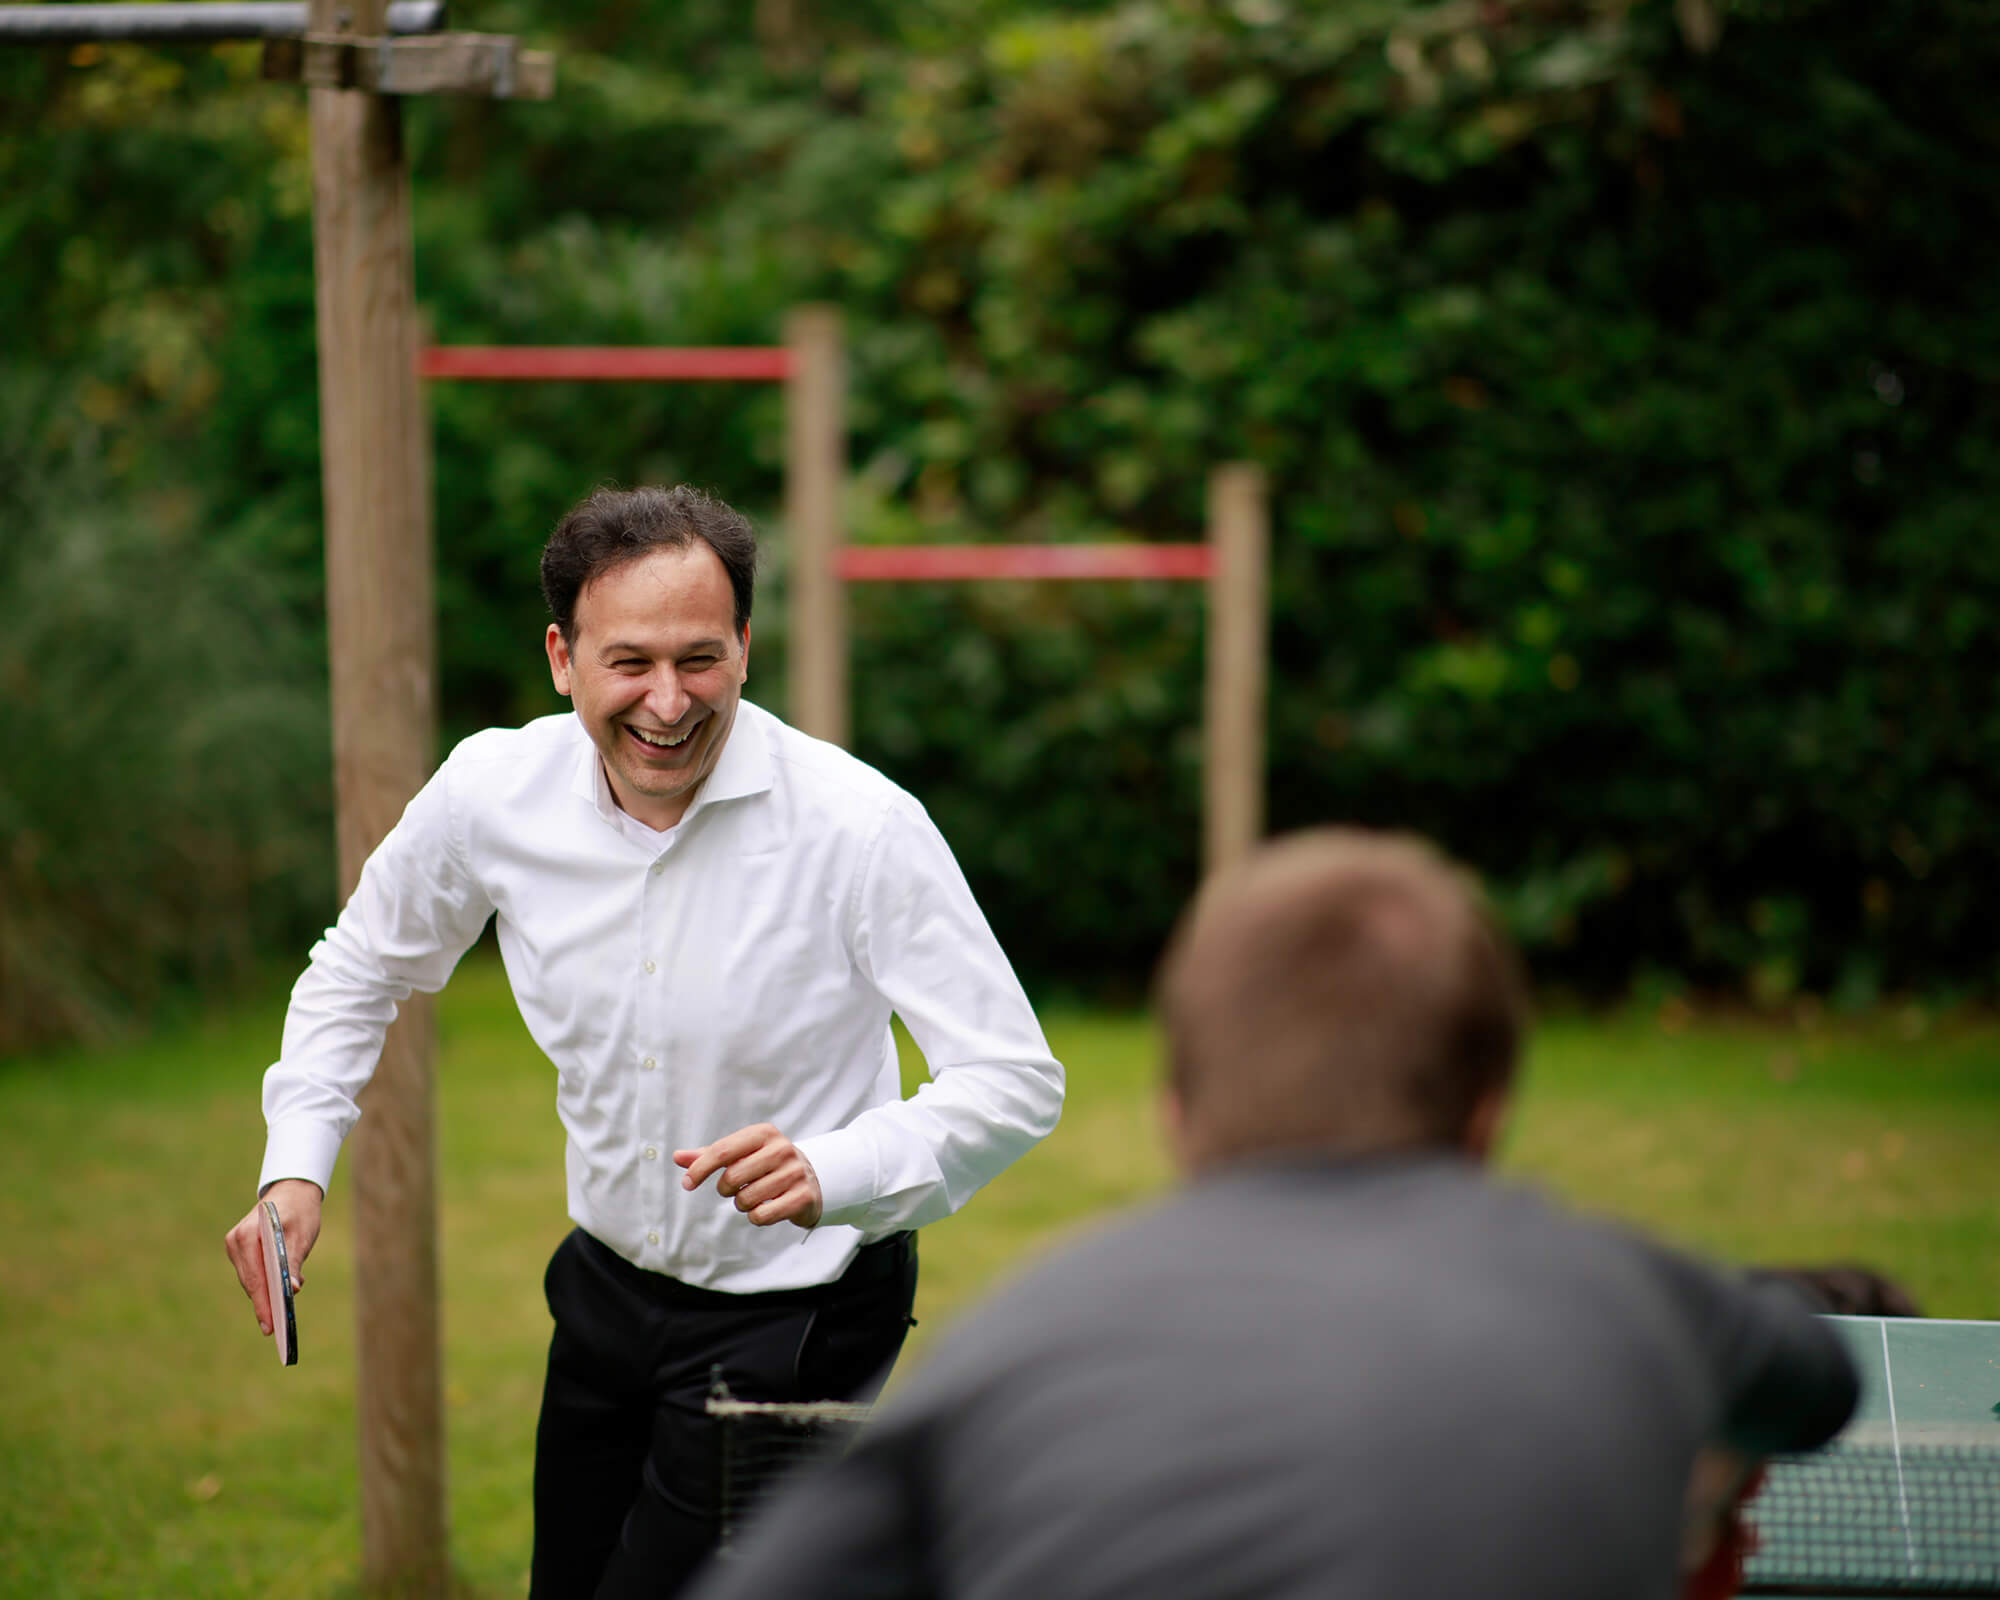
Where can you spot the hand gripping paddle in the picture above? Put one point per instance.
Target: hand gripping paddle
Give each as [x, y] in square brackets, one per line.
[278, 1284]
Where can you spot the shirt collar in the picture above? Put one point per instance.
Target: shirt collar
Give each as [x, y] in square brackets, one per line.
[745, 767]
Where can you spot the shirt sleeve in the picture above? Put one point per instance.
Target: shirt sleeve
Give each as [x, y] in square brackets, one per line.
[1784, 1378]
[995, 1091]
[414, 913]
[1788, 1381]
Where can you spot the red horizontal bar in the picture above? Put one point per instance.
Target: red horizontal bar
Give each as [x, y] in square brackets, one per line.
[608, 363]
[912, 563]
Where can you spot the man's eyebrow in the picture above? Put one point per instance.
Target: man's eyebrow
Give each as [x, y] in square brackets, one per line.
[624, 647]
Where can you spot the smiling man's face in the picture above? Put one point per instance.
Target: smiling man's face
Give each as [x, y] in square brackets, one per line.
[655, 674]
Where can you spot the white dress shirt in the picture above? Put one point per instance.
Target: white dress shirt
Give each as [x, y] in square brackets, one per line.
[738, 968]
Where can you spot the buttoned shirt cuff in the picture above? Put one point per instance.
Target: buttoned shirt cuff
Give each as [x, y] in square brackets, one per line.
[299, 1150]
[844, 1163]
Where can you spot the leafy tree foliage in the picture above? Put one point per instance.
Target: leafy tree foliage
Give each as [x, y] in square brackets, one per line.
[1625, 408]
[163, 795]
[1629, 407]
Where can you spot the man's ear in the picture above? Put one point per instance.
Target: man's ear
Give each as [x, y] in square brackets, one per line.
[1489, 1118]
[558, 648]
[743, 666]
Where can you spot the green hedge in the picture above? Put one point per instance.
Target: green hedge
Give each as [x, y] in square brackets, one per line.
[1630, 412]
[1632, 420]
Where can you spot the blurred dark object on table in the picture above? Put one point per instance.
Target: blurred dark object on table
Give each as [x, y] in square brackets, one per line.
[1848, 1291]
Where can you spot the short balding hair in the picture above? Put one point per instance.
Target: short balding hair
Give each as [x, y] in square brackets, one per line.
[1338, 989]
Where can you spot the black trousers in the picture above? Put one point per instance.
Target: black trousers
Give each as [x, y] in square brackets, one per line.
[625, 1455]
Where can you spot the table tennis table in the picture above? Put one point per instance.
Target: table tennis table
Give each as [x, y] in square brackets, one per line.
[1907, 1500]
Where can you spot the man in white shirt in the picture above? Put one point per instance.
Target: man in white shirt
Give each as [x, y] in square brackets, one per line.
[707, 919]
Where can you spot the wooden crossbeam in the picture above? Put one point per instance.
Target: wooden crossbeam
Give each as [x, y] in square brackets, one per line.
[607, 363]
[959, 563]
[489, 64]
[381, 644]
[188, 21]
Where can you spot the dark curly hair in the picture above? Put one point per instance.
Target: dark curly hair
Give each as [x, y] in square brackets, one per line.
[614, 526]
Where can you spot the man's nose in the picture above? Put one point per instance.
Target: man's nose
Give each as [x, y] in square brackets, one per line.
[667, 699]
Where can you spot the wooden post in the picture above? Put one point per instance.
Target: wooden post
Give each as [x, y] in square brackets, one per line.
[380, 632]
[815, 469]
[1238, 602]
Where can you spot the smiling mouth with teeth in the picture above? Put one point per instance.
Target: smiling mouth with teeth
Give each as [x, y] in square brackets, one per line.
[661, 741]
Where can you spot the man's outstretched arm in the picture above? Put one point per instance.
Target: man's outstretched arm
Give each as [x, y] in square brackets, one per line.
[1789, 1383]
[413, 914]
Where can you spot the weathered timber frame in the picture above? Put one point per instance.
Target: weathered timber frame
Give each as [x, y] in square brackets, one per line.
[381, 623]
[188, 21]
[1232, 562]
[489, 64]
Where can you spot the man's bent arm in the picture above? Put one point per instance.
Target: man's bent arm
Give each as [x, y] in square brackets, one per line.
[920, 938]
[414, 913]
[1783, 1378]
[1790, 1383]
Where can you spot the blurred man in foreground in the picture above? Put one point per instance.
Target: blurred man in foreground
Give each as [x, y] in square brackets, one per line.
[1343, 1360]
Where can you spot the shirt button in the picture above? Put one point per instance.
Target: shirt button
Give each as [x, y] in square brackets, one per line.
[652, 1153]
[659, 867]
[652, 1238]
[650, 967]
[649, 1063]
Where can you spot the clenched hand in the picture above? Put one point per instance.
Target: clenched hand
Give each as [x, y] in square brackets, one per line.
[766, 1173]
[298, 1204]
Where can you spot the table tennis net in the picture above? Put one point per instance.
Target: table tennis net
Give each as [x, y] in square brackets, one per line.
[1863, 1519]
[759, 1444]
[1852, 1520]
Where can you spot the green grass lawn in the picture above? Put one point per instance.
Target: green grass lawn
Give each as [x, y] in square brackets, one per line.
[150, 1445]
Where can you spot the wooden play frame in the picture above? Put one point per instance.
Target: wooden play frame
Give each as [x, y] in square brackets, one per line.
[358, 59]
[1233, 561]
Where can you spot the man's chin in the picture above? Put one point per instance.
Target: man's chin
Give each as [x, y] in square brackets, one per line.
[654, 784]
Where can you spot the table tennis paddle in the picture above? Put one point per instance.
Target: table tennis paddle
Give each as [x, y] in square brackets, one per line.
[278, 1284]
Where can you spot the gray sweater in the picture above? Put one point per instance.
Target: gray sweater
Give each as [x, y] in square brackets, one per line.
[1388, 1378]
